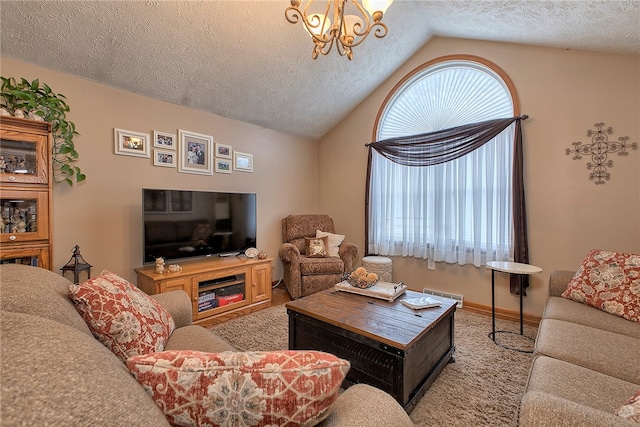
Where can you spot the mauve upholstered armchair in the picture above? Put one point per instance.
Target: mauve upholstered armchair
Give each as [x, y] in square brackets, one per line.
[303, 275]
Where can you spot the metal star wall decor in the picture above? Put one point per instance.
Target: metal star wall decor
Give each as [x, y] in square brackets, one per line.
[598, 149]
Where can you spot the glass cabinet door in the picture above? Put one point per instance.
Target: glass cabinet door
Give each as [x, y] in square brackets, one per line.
[23, 216]
[24, 156]
[37, 256]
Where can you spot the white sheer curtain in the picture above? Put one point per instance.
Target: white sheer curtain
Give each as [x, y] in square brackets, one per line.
[459, 211]
[456, 212]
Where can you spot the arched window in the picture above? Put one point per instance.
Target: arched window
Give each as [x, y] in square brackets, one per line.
[459, 211]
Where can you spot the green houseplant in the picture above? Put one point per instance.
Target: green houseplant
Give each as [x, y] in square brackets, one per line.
[38, 100]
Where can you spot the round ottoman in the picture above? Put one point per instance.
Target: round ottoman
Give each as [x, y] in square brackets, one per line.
[380, 265]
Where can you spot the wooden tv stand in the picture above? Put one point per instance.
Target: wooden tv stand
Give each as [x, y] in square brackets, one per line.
[220, 288]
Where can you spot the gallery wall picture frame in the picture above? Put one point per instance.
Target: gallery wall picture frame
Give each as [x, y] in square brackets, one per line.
[223, 165]
[166, 141]
[164, 158]
[196, 153]
[130, 143]
[242, 162]
[223, 151]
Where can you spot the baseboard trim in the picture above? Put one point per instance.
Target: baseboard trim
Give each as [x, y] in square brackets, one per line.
[501, 313]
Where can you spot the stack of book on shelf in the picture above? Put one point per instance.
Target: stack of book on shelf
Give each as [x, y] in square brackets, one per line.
[207, 301]
[383, 290]
[418, 303]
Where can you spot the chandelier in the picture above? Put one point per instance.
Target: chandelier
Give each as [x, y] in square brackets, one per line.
[346, 31]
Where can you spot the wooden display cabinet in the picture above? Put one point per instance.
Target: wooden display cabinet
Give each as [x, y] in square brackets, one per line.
[25, 192]
[219, 288]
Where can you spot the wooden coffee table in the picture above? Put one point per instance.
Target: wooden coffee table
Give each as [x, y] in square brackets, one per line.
[390, 346]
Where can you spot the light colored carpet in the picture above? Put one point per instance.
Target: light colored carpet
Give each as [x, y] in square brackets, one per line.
[482, 388]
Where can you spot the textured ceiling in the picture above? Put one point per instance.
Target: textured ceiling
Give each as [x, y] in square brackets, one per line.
[243, 60]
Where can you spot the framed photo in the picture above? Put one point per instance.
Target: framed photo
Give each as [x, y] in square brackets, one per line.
[243, 162]
[223, 151]
[223, 165]
[196, 153]
[163, 140]
[164, 158]
[130, 143]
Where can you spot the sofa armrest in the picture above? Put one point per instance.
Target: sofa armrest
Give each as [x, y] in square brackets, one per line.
[558, 281]
[362, 405]
[348, 253]
[178, 304]
[290, 256]
[289, 253]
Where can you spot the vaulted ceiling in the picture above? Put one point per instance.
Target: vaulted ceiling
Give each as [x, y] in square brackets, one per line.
[243, 60]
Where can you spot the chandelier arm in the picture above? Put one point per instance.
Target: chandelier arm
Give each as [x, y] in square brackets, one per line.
[292, 14]
[381, 30]
[367, 21]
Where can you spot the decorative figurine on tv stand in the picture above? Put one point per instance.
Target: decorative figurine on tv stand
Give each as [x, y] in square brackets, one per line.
[159, 265]
[175, 268]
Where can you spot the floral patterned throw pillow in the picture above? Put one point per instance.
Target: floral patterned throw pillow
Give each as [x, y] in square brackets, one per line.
[278, 388]
[122, 317]
[609, 281]
[631, 408]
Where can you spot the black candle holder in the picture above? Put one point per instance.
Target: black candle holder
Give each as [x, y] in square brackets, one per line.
[77, 265]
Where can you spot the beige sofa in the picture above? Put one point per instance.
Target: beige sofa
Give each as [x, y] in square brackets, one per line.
[53, 372]
[586, 364]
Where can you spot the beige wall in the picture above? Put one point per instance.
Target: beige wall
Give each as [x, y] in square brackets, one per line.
[564, 92]
[104, 215]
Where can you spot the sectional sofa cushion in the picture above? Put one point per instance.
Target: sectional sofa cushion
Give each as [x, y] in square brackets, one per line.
[609, 281]
[579, 384]
[195, 337]
[55, 375]
[241, 388]
[122, 317]
[47, 295]
[602, 351]
[567, 310]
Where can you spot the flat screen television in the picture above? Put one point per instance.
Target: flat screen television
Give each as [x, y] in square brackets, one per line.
[179, 225]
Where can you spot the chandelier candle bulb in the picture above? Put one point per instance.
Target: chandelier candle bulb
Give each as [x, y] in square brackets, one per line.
[376, 8]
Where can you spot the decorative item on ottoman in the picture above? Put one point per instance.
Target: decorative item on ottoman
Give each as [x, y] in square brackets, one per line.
[360, 278]
[380, 265]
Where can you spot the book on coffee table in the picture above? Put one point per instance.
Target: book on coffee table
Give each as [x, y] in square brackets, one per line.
[421, 302]
[383, 290]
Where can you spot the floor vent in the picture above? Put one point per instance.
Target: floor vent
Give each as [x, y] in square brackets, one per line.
[455, 297]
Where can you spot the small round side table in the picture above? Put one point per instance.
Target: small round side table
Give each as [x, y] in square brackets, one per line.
[511, 268]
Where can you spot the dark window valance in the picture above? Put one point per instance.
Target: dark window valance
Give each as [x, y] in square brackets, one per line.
[441, 146]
